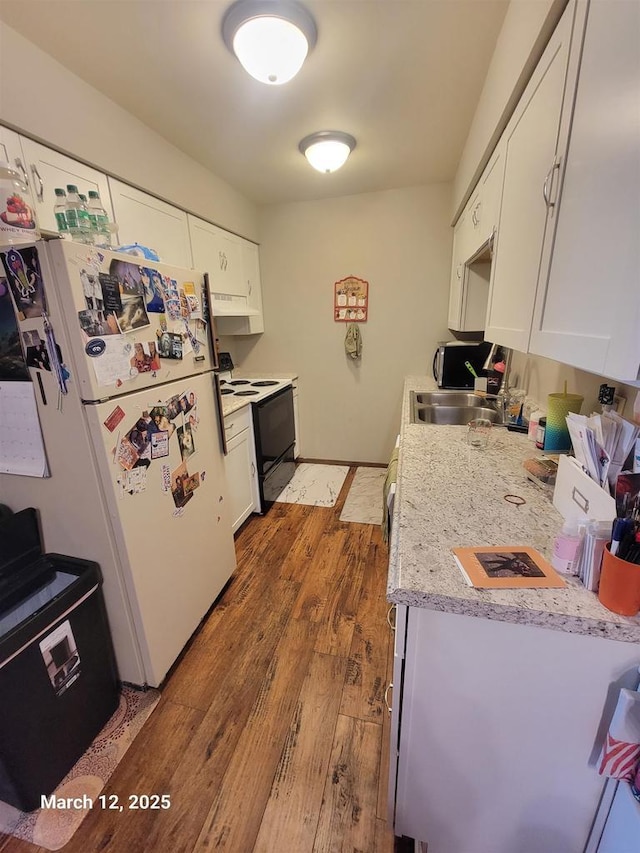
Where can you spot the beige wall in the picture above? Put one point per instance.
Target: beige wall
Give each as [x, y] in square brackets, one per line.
[41, 98]
[542, 376]
[400, 242]
[525, 31]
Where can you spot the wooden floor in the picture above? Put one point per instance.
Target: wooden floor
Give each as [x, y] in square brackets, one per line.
[271, 733]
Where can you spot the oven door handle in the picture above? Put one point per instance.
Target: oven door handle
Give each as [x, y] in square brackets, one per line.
[223, 437]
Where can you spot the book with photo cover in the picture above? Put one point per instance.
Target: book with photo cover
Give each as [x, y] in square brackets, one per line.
[506, 567]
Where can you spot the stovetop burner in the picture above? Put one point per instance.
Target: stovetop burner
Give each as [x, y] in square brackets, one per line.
[245, 393]
[226, 391]
[264, 382]
[240, 382]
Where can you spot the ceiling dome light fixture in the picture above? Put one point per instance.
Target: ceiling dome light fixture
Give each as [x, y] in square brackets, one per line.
[271, 38]
[327, 150]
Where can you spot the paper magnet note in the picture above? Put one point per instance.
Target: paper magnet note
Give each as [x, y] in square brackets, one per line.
[25, 281]
[114, 419]
[159, 444]
[126, 454]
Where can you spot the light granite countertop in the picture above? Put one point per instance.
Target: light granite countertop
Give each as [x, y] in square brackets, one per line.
[451, 495]
[232, 404]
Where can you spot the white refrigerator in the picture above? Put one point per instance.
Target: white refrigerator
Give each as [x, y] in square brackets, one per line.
[121, 359]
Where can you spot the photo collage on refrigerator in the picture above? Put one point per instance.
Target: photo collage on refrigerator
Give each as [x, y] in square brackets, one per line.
[150, 438]
[133, 297]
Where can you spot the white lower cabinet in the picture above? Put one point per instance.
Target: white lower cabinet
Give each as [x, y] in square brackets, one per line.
[240, 466]
[296, 419]
[493, 730]
[144, 219]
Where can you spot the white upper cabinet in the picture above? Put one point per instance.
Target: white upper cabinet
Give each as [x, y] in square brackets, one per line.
[491, 183]
[251, 272]
[587, 310]
[144, 219]
[47, 169]
[454, 319]
[11, 151]
[484, 205]
[219, 253]
[530, 176]
[472, 243]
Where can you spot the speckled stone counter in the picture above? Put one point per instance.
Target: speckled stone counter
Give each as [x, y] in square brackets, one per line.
[232, 404]
[451, 495]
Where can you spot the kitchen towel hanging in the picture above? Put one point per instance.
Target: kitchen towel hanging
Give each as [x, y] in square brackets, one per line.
[353, 341]
[621, 751]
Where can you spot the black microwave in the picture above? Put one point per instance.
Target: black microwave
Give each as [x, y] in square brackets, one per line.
[450, 362]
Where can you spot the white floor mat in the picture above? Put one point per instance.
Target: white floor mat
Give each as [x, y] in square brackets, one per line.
[364, 501]
[314, 485]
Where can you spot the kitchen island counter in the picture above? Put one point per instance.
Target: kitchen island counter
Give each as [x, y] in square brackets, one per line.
[451, 495]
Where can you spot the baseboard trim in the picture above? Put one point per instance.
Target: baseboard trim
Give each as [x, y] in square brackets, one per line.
[342, 462]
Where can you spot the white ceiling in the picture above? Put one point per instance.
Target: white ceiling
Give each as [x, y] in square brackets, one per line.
[402, 76]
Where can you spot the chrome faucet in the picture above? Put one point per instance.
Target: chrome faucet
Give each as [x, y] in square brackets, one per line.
[501, 399]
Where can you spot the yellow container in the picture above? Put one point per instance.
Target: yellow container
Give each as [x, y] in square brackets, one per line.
[556, 437]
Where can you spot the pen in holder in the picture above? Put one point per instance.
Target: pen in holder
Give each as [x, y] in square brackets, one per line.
[619, 584]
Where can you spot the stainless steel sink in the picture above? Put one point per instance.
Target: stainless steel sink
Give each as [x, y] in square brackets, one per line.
[452, 407]
[449, 398]
[441, 414]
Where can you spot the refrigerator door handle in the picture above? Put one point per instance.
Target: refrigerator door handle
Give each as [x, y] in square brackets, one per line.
[223, 438]
[208, 315]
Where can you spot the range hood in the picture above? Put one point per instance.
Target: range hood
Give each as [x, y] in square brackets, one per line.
[226, 305]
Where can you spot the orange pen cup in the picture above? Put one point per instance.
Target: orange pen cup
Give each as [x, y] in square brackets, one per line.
[619, 589]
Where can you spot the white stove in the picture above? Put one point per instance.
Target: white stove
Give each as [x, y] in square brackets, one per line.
[246, 387]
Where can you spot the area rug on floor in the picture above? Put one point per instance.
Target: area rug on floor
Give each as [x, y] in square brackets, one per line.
[52, 828]
[314, 485]
[364, 501]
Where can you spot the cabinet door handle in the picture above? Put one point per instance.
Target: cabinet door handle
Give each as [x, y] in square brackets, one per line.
[249, 285]
[459, 271]
[36, 174]
[386, 692]
[20, 166]
[548, 181]
[492, 241]
[253, 470]
[391, 624]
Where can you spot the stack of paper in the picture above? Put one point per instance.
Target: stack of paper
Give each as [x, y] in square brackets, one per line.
[601, 444]
[595, 536]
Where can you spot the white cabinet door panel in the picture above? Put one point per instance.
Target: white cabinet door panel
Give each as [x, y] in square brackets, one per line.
[588, 309]
[144, 219]
[219, 253]
[48, 169]
[531, 139]
[11, 151]
[240, 470]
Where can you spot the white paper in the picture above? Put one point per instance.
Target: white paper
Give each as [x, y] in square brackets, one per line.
[115, 362]
[21, 442]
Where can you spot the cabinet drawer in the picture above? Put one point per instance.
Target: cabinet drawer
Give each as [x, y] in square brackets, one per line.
[235, 423]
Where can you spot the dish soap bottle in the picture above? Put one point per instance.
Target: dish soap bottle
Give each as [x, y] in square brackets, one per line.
[17, 219]
[565, 548]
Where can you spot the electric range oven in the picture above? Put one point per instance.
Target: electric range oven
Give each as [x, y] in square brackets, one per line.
[274, 433]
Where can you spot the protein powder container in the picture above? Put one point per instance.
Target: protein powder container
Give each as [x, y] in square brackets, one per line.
[17, 218]
[542, 428]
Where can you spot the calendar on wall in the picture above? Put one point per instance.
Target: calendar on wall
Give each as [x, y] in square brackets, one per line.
[21, 443]
[351, 300]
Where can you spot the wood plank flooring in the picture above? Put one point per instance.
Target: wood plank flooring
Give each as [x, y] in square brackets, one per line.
[271, 735]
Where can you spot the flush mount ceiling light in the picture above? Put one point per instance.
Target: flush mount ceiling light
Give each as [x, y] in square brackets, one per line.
[327, 150]
[271, 38]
